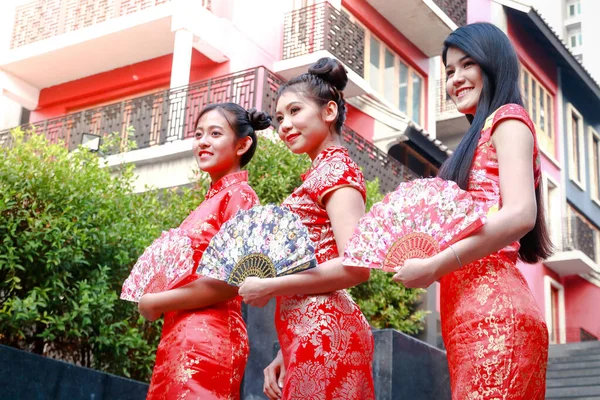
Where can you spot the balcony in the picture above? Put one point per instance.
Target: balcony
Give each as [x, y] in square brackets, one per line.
[77, 38]
[319, 31]
[578, 251]
[451, 125]
[168, 117]
[426, 23]
[160, 117]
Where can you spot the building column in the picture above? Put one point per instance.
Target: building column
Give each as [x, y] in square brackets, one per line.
[433, 94]
[182, 58]
[14, 94]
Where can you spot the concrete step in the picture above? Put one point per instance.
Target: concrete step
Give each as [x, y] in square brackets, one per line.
[572, 373]
[559, 350]
[573, 392]
[575, 358]
[573, 381]
[574, 365]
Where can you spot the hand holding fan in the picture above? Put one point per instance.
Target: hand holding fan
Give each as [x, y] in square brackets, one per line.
[418, 220]
[265, 241]
[167, 260]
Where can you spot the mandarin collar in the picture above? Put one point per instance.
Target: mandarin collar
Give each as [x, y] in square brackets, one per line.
[226, 181]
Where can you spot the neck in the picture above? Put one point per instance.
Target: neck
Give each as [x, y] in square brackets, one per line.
[332, 140]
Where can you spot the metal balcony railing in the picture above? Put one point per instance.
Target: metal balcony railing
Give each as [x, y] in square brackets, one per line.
[578, 235]
[170, 115]
[443, 102]
[162, 116]
[43, 19]
[323, 27]
[455, 9]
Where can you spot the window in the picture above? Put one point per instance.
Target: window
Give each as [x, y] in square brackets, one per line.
[394, 79]
[574, 38]
[573, 8]
[575, 134]
[595, 164]
[540, 105]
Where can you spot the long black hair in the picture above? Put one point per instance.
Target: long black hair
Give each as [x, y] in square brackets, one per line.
[243, 123]
[491, 49]
[324, 82]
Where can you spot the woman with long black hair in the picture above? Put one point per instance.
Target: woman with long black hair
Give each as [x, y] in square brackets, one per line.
[494, 332]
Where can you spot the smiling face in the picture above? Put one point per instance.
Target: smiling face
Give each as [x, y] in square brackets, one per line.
[464, 80]
[216, 147]
[303, 126]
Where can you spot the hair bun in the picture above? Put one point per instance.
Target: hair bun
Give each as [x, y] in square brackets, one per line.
[330, 70]
[259, 120]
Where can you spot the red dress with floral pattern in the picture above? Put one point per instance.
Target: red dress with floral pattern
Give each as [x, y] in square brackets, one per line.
[495, 335]
[202, 353]
[326, 341]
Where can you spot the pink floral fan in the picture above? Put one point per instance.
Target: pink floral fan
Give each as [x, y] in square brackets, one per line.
[164, 263]
[418, 220]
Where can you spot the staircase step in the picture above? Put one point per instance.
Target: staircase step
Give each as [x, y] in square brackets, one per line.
[573, 373]
[574, 365]
[575, 358]
[575, 392]
[573, 381]
[584, 347]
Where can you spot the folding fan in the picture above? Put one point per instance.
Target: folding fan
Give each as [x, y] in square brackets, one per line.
[165, 262]
[418, 220]
[265, 241]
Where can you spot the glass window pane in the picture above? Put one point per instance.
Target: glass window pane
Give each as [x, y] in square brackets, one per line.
[403, 88]
[542, 108]
[526, 90]
[575, 146]
[571, 10]
[374, 70]
[388, 77]
[533, 101]
[416, 98]
[550, 115]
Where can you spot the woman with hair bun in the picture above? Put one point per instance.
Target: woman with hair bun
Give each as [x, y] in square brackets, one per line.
[203, 349]
[326, 342]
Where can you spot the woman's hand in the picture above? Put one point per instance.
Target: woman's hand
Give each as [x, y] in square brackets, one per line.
[255, 291]
[147, 307]
[416, 273]
[274, 378]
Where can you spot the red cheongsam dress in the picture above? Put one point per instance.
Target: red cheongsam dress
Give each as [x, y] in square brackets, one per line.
[202, 353]
[493, 329]
[326, 341]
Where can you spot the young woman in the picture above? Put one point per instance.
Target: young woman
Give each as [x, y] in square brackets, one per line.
[204, 345]
[326, 342]
[494, 332]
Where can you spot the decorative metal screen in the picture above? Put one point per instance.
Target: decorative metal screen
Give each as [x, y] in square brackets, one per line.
[159, 117]
[323, 27]
[455, 9]
[170, 115]
[375, 163]
[580, 236]
[443, 102]
[42, 19]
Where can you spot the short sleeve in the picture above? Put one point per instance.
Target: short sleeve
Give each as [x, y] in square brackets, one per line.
[335, 173]
[515, 111]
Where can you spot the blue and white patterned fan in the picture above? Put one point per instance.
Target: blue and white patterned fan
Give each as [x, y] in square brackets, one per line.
[265, 241]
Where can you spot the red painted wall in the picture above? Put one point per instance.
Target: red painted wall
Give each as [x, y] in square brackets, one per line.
[142, 77]
[581, 307]
[360, 122]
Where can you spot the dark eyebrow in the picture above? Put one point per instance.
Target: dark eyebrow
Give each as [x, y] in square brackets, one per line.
[289, 105]
[461, 59]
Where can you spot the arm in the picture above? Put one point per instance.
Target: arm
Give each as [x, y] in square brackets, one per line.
[202, 292]
[516, 217]
[345, 206]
